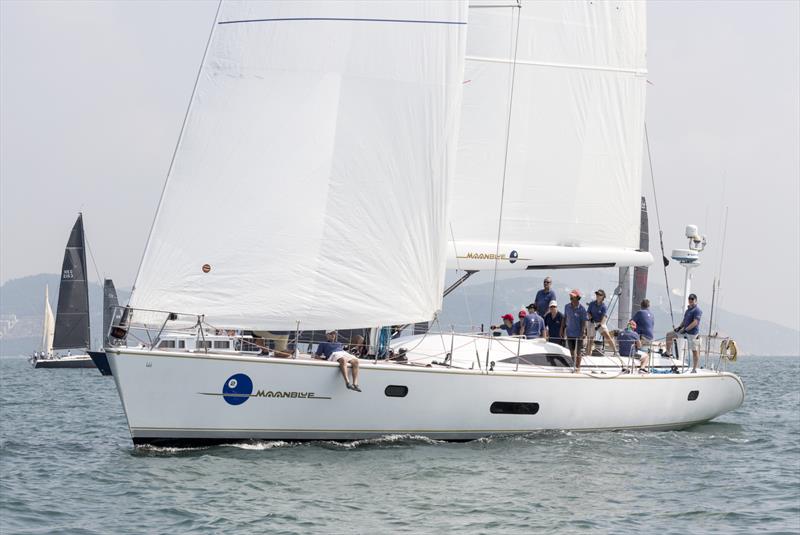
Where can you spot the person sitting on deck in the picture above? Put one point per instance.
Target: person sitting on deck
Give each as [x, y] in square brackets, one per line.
[333, 351]
[357, 346]
[598, 314]
[536, 326]
[507, 326]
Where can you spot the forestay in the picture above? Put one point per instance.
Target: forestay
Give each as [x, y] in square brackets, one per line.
[310, 180]
[574, 122]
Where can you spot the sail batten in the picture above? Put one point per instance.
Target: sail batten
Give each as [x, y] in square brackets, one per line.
[310, 184]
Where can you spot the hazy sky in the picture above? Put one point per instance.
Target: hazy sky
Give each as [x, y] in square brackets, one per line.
[92, 96]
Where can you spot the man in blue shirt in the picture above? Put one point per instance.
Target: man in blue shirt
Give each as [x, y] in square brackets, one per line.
[524, 325]
[507, 326]
[628, 340]
[334, 351]
[536, 324]
[644, 322]
[574, 326]
[690, 330]
[544, 296]
[553, 324]
[598, 314]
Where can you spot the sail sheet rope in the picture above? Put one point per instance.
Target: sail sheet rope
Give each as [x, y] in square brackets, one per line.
[658, 219]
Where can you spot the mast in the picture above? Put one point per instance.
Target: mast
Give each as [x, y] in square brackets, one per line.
[72, 314]
[640, 272]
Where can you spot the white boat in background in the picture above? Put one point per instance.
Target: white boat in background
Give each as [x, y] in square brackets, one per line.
[344, 125]
[70, 329]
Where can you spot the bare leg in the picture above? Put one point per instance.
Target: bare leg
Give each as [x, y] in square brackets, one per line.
[695, 358]
[343, 369]
[670, 339]
[354, 371]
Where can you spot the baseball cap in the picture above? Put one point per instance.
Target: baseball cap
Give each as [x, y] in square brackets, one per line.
[507, 317]
[575, 293]
[553, 303]
[600, 292]
[693, 296]
[331, 332]
[532, 305]
[523, 313]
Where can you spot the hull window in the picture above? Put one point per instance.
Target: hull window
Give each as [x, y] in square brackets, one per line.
[513, 407]
[396, 391]
[693, 395]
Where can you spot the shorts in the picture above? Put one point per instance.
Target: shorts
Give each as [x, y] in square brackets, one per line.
[342, 355]
[592, 328]
[573, 343]
[694, 340]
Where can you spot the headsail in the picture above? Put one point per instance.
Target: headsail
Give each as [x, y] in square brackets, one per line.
[310, 181]
[48, 326]
[553, 116]
[109, 302]
[72, 314]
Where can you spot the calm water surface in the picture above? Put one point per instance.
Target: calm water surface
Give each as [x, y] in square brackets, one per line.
[68, 466]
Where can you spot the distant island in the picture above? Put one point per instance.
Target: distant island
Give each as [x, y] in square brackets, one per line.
[466, 309]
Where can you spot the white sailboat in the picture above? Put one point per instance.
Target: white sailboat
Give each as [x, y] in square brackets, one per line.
[333, 129]
[48, 326]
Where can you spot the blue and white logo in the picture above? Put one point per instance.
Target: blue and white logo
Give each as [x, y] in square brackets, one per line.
[237, 389]
[513, 256]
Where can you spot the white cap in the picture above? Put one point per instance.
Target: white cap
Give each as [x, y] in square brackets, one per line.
[553, 304]
[331, 332]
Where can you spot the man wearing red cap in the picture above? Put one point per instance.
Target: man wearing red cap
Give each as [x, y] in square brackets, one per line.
[574, 326]
[507, 326]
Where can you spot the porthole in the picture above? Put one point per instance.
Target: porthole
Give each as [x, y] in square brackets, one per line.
[513, 407]
[693, 395]
[396, 391]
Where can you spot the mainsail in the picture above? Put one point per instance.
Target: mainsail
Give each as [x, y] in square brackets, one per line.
[310, 181]
[551, 136]
[110, 301]
[72, 314]
[48, 326]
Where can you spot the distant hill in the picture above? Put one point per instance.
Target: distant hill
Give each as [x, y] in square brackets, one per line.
[22, 306]
[466, 309]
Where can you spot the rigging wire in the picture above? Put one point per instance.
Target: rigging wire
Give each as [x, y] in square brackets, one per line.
[91, 255]
[658, 218]
[505, 167]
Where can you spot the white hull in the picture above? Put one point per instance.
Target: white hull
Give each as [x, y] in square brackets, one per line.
[177, 398]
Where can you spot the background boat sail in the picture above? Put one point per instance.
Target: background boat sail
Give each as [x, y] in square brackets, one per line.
[337, 122]
[110, 303]
[72, 313]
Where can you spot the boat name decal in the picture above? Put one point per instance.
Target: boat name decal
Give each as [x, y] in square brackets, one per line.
[238, 388]
[486, 256]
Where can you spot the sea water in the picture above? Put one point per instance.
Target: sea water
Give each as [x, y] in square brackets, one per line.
[68, 466]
